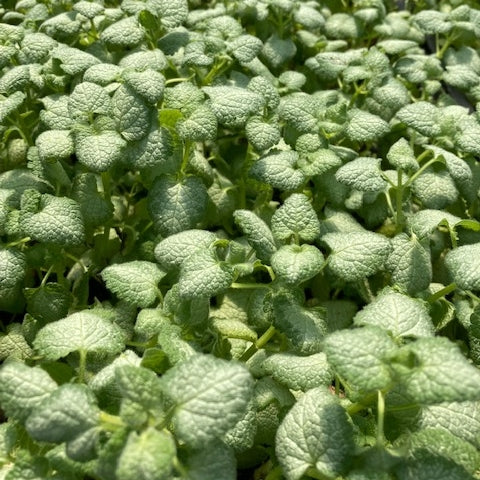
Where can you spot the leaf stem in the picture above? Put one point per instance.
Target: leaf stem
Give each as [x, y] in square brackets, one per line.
[110, 422]
[259, 344]
[82, 367]
[249, 285]
[400, 219]
[420, 171]
[441, 293]
[380, 419]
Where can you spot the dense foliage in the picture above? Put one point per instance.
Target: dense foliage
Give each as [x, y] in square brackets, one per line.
[239, 239]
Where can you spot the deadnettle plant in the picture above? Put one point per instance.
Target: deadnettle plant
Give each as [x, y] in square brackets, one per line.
[239, 239]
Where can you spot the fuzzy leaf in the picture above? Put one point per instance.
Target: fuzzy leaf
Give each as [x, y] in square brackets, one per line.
[295, 264]
[401, 315]
[88, 99]
[58, 220]
[81, 331]
[410, 264]
[364, 126]
[204, 275]
[463, 263]
[152, 449]
[315, 433]
[55, 145]
[67, 412]
[299, 373]
[296, 217]
[22, 388]
[401, 155]
[278, 169]
[421, 116]
[124, 33]
[360, 357]
[174, 206]
[258, 234]
[172, 251]
[440, 372]
[210, 394]
[99, 152]
[136, 282]
[245, 48]
[356, 255]
[233, 105]
[362, 174]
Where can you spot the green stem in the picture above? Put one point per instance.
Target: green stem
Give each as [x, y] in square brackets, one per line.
[249, 285]
[82, 367]
[18, 242]
[441, 293]
[259, 344]
[380, 419]
[420, 171]
[45, 277]
[110, 422]
[400, 219]
[186, 155]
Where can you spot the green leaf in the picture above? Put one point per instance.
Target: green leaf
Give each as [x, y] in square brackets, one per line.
[356, 255]
[278, 169]
[81, 331]
[153, 450]
[172, 14]
[299, 373]
[149, 84]
[55, 220]
[261, 135]
[136, 282]
[73, 61]
[421, 116]
[99, 152]
[363, 126]
[13, 265]
[361, 357]
[461, 419]
[204, 275]
[304, 328]
[362, 174]
[440, 372]
[215, 461]
[67, 412]
[233, 105]
[315, 434]
[131, 114]
[300, 110]
[401, 155]
[124, 33]
[409, 264]
[55, 145]
[435, 190]
[258, 234]
[401, 315]
[96, 210]
[55, 115]
[428, 466]
[295, 264]
[88, 99]
[23, 388]
[436, 441]
[463, 263]
[200, 126]
[245, 47]
[432, 21]
[175, 207]
[210, 396]
[297, 218]
[278, 51]
[425, 222]
[13, 344]
[155, 150]
[48, 302]
[172, 251]
[139, 385]
[144, 59]
[9, 104]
